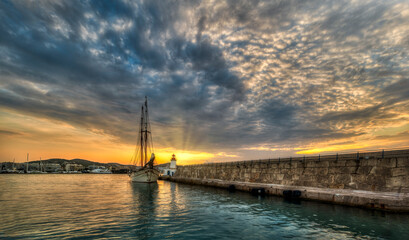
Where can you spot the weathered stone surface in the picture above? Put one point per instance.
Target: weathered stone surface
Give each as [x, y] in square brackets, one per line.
[364, 170]
[402, 162]
[372, 172]
[279, 176]
[338, 163]
[400, 172]
[387, 162]
[353, 163]
[395, 181]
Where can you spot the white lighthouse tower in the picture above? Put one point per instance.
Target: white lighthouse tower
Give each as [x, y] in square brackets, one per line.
[172, 168]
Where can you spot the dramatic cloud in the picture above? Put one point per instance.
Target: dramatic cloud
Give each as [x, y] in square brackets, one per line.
[235, 79]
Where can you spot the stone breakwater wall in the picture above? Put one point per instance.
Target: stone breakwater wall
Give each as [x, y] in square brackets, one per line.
[375, 171]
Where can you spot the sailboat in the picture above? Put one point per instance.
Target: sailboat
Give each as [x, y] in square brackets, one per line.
[145, 172]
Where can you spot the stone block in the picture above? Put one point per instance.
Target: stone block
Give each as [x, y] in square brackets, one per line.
[322, 171]
[310, 171]
[265, 178]
[286, 165]
[365, 170]
[396, 182]
[403, 162]
[279, 176]
[292, 171]
[352, 163]
[382, 171]
[277, 170]
[299, 171]
[256, 175]
[342, 178]
[312, 164]
[400, 172]
[374, 179]
[367, 162]
[333, 170]
[345, 170]
[323, 164]
[309, 178]
[387, 162]
[358, 178]
[339, 163]
[262, 165]
[321, 179]
[288, 176]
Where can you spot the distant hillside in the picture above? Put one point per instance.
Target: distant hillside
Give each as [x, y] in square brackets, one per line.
[163, 165]
[83, 162]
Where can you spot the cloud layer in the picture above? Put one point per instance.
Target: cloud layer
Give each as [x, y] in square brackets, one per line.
[221, 76]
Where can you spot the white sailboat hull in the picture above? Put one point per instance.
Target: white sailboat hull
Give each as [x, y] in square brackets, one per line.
[146, 175]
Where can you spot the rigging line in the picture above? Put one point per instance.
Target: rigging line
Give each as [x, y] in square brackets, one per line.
[135, 152]
[150, 133]
[149, 139]
[146, 131]
[141, 136]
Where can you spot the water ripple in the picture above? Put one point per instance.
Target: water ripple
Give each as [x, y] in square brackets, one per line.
[110, 206]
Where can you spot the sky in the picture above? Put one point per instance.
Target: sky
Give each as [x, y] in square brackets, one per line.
[225, 80]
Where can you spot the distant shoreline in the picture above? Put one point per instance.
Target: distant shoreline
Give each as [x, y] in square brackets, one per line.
[59, 173]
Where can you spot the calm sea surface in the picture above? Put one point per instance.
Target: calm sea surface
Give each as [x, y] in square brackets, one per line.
[92, 206]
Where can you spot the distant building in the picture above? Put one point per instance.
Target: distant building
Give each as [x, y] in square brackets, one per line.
[93, 167]
[73, 167]
[172, 167]
[117, 168]
[34, 167]
[52, 167]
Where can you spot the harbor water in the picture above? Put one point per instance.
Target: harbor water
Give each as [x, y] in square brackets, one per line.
[109, 206]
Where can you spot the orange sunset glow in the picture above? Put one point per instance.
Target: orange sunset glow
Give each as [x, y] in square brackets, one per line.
[221, 86]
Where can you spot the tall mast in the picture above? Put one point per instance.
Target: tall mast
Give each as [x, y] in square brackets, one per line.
[27, 163]
[146, 130]
[142, 138]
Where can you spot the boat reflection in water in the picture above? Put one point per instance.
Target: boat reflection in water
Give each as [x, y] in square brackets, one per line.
[144, 193]
[144, 209]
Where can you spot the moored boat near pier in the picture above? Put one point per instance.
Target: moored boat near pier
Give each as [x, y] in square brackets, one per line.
[146, 172]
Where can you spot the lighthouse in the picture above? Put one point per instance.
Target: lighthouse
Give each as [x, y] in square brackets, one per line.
[172, 167]
[173, 162]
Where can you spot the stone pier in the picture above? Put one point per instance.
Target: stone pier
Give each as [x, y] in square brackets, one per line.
[378, 180]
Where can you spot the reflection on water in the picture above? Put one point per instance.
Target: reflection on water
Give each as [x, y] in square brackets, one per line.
[110, 206]
[144, 208]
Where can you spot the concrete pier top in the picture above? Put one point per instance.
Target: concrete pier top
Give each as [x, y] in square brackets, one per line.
[389, 201]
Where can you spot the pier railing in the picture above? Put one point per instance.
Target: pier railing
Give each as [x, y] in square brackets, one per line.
[332, 157]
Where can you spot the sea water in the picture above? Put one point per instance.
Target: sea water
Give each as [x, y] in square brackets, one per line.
[109, 206]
